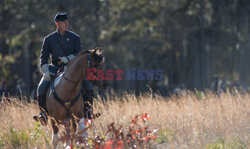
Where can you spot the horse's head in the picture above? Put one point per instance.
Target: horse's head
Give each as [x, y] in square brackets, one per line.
[96, 57]
[98, 62]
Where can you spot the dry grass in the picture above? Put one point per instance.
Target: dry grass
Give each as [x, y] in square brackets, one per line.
[188, 120]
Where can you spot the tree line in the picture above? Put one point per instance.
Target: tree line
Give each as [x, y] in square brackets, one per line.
[192, 41]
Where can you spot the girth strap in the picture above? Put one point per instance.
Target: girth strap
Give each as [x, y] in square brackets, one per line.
[66, 104]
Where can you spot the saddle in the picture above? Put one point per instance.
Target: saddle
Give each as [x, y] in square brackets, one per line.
[67, 104]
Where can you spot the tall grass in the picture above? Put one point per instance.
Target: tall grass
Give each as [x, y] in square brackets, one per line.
[187, 120]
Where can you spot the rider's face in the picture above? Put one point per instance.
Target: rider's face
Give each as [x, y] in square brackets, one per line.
[63, 25]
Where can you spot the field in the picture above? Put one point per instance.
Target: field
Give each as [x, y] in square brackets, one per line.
[188, 120]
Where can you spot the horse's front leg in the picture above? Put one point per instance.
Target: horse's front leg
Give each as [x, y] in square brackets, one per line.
[55, 130]
[67, 125]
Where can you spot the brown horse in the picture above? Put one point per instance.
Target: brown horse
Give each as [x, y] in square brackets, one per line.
[64, 96]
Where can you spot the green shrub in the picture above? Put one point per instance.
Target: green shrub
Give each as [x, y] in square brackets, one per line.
[37, 134]
[23, 139]
[221, 144]
[164, 136]
[12, 138]
[1, 142]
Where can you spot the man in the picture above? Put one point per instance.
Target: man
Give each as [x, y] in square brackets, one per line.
[4, 89]
[62, 46]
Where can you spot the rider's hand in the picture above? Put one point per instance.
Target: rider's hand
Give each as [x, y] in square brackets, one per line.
[46, 76]
[46, 72]
[70, 57]
[64, 59]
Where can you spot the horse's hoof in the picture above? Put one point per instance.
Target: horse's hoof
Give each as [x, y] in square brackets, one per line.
[96, 115]
[39, 119]
[35, 118]
[43, 122]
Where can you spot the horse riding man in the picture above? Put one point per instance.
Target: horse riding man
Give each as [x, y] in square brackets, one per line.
[62, 46]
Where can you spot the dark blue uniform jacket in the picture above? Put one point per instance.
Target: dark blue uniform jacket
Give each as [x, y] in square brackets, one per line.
[55, 45]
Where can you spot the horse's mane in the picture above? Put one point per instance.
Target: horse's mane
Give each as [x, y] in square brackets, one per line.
[84, 52]
[96, 54]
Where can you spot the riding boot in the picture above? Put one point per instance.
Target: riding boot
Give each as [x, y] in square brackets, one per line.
[88, 97]
[88, 109]
[43, 110]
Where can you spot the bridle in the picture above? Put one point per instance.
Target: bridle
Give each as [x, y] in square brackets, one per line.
[67, 104]
[89, 62]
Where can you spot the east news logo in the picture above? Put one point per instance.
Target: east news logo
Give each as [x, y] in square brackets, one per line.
[131, 74]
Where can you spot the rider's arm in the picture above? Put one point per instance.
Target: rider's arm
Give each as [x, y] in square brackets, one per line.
[77, 48]
[44, 57]
[45, 52]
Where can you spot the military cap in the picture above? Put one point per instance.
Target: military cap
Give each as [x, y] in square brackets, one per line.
[61, 16]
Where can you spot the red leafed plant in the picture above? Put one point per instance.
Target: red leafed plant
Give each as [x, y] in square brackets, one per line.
[136, 136]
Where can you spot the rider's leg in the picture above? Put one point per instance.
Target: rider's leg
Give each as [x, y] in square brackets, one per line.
[88, 96]
[42, 89]
[41, 94]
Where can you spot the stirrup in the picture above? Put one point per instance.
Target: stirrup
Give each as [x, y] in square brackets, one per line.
[94, 116]
[42, 118]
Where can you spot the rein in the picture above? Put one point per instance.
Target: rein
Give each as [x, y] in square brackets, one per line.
[67, 104]
[89, 61]
[69, 79]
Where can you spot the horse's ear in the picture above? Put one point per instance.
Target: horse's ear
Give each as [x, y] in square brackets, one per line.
[98, 50]
[91, 50]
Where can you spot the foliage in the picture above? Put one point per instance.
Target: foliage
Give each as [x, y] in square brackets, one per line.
[183, 120]
[226, 144]
[190, 40]
[23, 139]
[14, 138]
[1, 142]
[136, 135]
[164, 136]
[37, 134]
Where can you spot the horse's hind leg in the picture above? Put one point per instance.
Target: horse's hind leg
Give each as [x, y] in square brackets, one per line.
[54, 133]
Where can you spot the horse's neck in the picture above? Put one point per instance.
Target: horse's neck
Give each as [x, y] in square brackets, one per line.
[75, 72]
